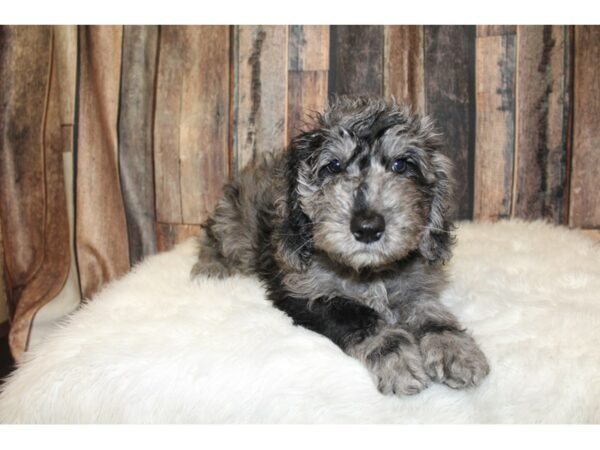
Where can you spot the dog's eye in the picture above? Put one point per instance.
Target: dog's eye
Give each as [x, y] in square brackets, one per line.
[334, 166]
[399, 166]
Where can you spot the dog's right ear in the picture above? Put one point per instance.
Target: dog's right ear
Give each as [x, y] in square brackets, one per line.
[294, 237]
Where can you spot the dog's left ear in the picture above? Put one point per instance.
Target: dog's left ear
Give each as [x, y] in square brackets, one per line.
[437, 239]
[294, 238]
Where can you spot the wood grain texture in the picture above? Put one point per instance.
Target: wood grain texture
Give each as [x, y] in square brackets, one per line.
[191, 154]
[25, 54]
[542, 113]
[403, 71]
[585, 176]
[448, 61]
[138, 73]
[495, 30]
[494, 141]
[101, 227]
[307, 95]
[356, 60]
[170, 234]
[308, 47]
[260, 98]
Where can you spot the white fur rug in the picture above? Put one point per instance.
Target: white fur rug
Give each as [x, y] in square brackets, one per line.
[155, 347]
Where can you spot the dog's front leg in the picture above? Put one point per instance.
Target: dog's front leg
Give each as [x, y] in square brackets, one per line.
[390, 353]
[450, 354]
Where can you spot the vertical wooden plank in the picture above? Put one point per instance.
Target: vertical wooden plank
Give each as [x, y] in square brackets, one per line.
[140, 44]
[356, 60]
[102, 247]
[494, 142]
[260, 99]
[307, 96]
[169, 234]
[448, 61]
[308, 67]
[495, 30]
[167, 117]
[585, 175]
[308, 48]
[403, 75]
[542, 110]
[191, 122]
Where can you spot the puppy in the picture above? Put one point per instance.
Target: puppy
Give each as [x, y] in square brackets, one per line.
[348, 229]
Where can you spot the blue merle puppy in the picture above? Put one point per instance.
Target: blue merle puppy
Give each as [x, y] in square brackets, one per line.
[348, 229]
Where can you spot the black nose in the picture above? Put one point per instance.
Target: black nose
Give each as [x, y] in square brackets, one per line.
[367, 226]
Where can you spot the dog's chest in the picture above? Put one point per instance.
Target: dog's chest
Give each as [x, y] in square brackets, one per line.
[319, 281]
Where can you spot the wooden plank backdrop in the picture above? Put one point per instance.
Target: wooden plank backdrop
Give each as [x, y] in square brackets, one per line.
[585, 197]
[163, 115]
[136, 112]
[494, 135]
[449, 59]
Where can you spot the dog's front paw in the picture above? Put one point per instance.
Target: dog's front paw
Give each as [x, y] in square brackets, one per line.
[453, 358]
[397, 365]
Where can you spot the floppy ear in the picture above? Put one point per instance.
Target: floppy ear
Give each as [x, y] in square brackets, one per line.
[293, 235]
[437, 240]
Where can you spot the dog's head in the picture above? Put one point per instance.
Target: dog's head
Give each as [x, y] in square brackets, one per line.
[367, 187]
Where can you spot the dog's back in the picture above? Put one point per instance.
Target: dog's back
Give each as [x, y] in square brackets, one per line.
[230, 238]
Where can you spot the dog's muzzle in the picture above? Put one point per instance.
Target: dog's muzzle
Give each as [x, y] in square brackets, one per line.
[367, 226]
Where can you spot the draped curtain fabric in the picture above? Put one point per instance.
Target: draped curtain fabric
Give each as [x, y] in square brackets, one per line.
[115, 140]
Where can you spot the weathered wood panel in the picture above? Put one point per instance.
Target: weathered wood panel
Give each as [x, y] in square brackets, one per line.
[25, 54]
[356, 60]
[308, 47]
[308, 76]
[260, 98]
[495, 30]
[167, 117]
[307, 96]
[138, 73]
[542, 112]
[494, 142]
[448, 61]
[585, 175]
[403, 71]
[101, 227]
[191, 159]
[170, 234]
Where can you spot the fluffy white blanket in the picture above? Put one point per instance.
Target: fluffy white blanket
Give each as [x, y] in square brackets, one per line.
[156, 347]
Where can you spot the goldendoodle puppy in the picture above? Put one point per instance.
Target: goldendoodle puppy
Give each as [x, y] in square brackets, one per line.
[348, 229]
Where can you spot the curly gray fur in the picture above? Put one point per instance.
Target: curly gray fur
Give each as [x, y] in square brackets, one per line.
[289, 218]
